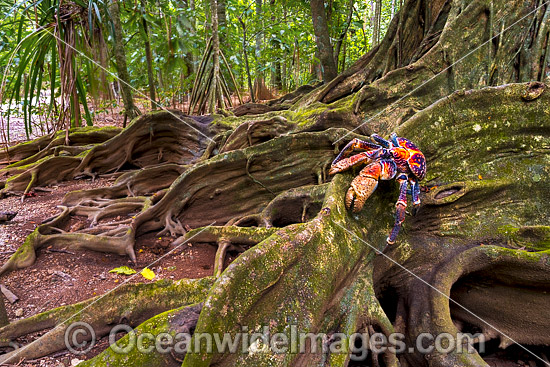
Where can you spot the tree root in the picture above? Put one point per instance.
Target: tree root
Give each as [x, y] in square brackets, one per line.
[50, 234]
[152, 139]
[290, 264]
[485, 186]
[175, 322]
[255, 132]
[31, 152]
[194, 206]
[227, 238]
[142, 182]
[257, 109]
[45, 173]
[129, 303]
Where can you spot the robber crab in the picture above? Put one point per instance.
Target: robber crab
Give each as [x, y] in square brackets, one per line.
[395, 158]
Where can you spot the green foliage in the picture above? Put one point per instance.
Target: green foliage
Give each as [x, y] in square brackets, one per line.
[45, 40]
[34, 72]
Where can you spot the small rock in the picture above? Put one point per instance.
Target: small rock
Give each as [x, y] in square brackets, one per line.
[102, 276]
[19, 312]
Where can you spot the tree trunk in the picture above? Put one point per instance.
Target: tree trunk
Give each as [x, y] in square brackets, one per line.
[246, 65]
[222, 20]
[276, 75]
[130, 109]
[343, 34]
[322, 40]
[260, 89]
[216, 99]
[376, 8]
[474, 254]
[148, 57]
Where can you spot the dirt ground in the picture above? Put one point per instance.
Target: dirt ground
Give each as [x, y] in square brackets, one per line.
[61, 278]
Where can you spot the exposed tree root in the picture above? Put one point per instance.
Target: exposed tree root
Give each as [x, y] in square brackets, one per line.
[191, 201]
[142, 182]
[151, 140]
[129, 304]
[45, 173]
[34, 149]
[263, 205]
[255, 132]
[257, 109]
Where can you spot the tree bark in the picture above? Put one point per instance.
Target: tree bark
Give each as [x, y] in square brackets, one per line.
[376, 7]
[130, 109]
[149, 57]
[322, 40]
[222, 20]
[246, 65]
[216, 99]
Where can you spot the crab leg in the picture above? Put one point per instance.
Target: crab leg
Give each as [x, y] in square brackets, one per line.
[400, 208]
[393, 138]
[354, 160]
[366, 182]
[355, 145]
[380, 140]
[415, 194]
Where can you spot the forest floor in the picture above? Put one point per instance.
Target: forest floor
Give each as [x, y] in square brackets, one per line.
[62, 278]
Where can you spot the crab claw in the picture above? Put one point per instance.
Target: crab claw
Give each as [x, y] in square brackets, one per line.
[339, 166]
[361, 188]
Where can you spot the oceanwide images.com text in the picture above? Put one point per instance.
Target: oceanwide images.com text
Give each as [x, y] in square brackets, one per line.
[81, 338]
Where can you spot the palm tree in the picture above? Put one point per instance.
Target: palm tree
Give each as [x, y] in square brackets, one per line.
[54, 41]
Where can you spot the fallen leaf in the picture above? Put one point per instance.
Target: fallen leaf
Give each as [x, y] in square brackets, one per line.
[123, 270]
[147, 273]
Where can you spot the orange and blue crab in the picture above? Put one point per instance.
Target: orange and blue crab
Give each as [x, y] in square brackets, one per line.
[395, 158]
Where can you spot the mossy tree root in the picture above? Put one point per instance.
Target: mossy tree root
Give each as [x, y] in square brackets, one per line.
[166, 137]
[320, 274]
[118, 239]
[32, 151]
[128, 304]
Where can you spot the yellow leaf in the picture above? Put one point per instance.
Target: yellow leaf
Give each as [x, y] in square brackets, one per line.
[147, 273]
[480, 177]
[123, 270]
